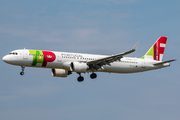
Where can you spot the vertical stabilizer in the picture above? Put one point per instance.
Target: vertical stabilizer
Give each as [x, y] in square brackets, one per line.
[156, 52]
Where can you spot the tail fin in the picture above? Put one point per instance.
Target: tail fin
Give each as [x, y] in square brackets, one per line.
[157, 50]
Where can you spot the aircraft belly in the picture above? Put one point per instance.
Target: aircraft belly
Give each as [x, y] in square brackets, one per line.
[122, 68]
[54, 65]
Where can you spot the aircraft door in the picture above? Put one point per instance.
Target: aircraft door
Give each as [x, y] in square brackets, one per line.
[25, 54]
[59, 57]
[143, 63]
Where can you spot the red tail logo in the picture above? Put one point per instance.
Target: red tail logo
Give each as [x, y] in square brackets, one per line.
[159, 48]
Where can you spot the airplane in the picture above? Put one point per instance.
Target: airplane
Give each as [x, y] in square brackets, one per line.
[63, 64]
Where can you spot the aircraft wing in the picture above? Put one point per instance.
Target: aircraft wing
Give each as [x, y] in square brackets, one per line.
[96, 64]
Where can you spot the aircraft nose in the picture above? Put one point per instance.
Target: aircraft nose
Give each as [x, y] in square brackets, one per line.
[5, 59]
[9, 59]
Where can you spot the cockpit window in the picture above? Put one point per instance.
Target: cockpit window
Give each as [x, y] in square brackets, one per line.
[13, 53]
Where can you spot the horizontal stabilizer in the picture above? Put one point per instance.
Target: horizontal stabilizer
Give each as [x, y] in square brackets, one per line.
[165, 62]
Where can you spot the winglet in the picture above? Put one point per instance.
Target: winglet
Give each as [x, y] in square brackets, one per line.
[136, 45]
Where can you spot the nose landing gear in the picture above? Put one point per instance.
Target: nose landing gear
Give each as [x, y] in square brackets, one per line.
[22, 73]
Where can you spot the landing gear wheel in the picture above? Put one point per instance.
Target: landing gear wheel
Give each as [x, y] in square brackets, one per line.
[21, 73]
[80, 79]
[93, 75]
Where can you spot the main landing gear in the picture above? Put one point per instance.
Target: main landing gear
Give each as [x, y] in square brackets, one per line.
[22, 73]
[81, 78]
[93, 75]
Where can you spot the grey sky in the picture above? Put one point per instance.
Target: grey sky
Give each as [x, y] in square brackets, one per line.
[89, 26]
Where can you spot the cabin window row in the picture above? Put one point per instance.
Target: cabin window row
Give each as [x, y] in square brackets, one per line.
[129, 62]
[79, 58]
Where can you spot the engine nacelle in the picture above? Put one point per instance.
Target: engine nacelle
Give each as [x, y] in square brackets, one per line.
[78, 67]
[60, 72]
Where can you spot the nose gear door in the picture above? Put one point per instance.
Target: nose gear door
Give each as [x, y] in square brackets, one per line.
[25, 54]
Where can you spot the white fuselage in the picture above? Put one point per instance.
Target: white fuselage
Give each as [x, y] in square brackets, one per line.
[62, 60]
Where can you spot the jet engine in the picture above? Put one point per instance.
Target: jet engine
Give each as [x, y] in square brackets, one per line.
[78, 67]
[60, 72]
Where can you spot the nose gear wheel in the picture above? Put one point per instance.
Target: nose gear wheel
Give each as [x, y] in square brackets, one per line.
[22, 73]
